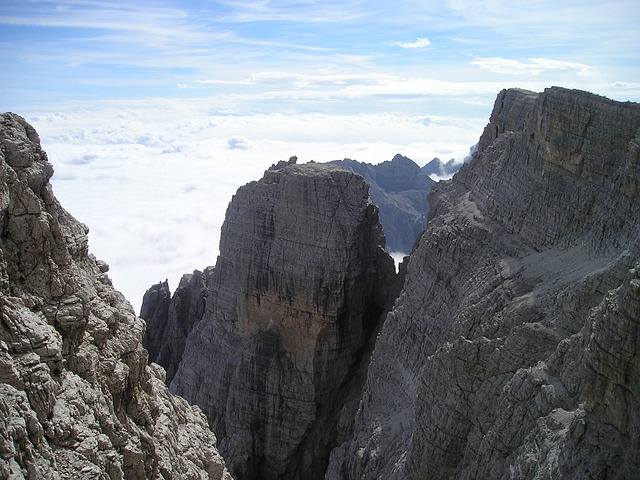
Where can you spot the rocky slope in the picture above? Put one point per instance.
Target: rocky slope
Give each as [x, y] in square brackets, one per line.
[399, 189]
[290, 308]
[77, 399]
[512, 351]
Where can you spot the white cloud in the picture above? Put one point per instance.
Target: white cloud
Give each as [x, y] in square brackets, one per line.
[238, 143]
[535, 66]
[154, 189]
[420, 42]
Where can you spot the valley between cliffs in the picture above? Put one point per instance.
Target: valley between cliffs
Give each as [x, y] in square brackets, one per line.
[506, 347]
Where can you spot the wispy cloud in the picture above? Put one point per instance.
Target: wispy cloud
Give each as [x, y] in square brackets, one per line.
[328, 11]
[534, 66]
[420, 42]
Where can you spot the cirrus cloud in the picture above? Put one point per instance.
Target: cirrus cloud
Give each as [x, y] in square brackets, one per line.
[535, 66]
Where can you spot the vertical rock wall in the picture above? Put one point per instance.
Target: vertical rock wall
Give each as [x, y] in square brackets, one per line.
[297, 292]
[512, 351]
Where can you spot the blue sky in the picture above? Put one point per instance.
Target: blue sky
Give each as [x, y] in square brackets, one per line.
[153, 113]
[330, 56]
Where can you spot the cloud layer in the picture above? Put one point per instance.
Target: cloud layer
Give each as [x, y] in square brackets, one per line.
[82, 50]
[153, 179]
[153, 113]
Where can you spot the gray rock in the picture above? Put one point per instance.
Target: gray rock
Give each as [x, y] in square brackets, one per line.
[77, 399]
[439, 169]
[512, 351]
[400, 190]
[292, 305]
[171, 318]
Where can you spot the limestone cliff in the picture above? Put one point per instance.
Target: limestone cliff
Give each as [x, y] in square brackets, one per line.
[399, 189]
[77, 399]
[290, 307]
[170, 318]
[512, 351]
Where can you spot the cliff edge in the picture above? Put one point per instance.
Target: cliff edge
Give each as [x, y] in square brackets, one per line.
[512, 351]
[77, 399]
[289, 312]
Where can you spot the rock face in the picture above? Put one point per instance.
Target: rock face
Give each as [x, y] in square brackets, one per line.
[291, 305]
[171, 318]
[513, 351]
[400, 190]
[77, 399]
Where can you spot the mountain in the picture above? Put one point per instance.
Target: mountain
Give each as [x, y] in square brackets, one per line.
[439, 169]
[400, 190]
[512, 351]
[77, 398]
[290, 312]
[505, 347]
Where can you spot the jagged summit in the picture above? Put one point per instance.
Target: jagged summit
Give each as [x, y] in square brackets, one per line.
[289, 309]
[438, 168]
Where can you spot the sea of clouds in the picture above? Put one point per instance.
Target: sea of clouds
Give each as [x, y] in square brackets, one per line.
[152, 179]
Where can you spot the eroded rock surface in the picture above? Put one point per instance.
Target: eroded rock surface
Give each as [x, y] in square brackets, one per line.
[170, 318]
[77, 399]
[291, 307]
[512, 351]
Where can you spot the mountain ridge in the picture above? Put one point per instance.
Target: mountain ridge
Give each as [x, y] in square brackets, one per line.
[505, 347]
[494, 372]
[399, 189]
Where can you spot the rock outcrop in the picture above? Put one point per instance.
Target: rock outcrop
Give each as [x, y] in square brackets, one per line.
[291, 309]
[171, 318]
[400, 190]
[77, 399]
[513, 351]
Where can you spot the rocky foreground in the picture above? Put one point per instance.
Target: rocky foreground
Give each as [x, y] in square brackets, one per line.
[77, 398]
[510, 352]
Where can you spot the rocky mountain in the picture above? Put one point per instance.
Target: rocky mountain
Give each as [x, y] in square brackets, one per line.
[171, 318]
[77, 398]
[400, 190]
[289, 313]
[512, 351]
[438, 168]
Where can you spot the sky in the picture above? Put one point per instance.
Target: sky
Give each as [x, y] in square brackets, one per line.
[154, 113]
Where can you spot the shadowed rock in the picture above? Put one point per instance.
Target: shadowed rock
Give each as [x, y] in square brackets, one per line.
[292, 304]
